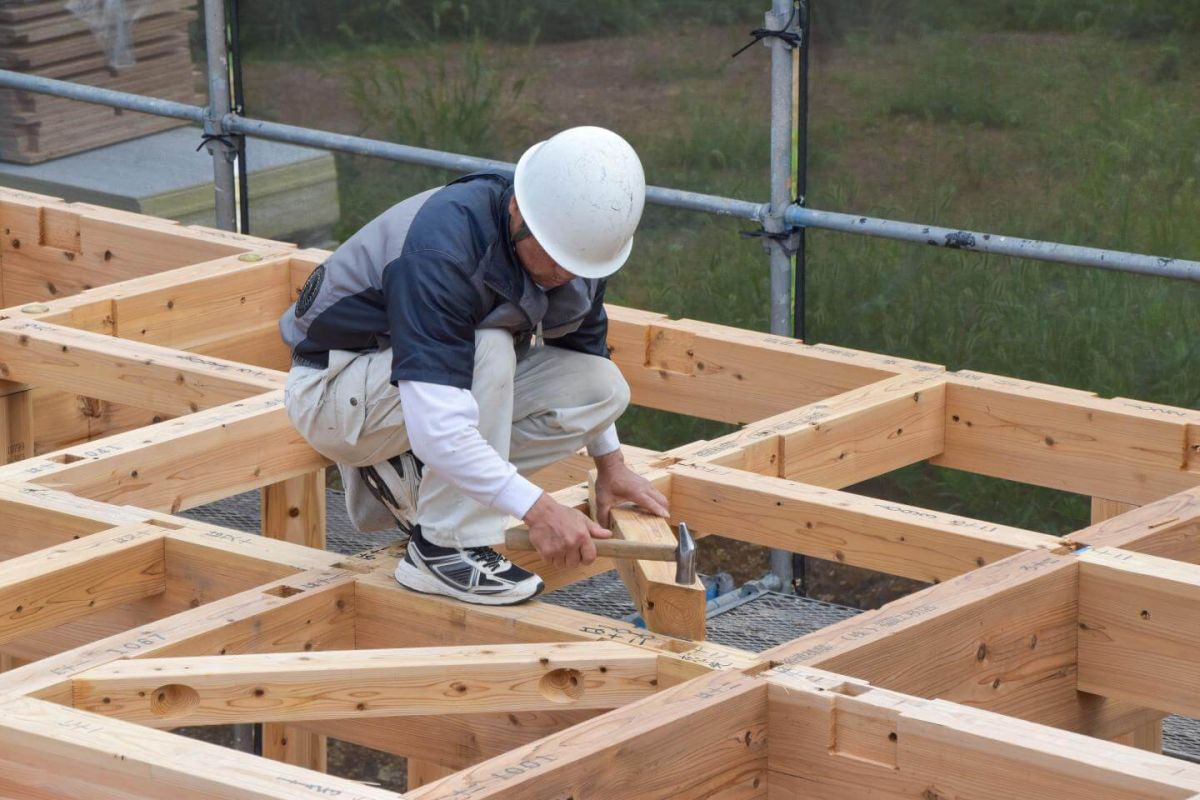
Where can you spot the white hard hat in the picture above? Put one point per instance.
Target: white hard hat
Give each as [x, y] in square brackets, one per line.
[581, 193]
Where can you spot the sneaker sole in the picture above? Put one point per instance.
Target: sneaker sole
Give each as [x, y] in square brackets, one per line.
[410, 577]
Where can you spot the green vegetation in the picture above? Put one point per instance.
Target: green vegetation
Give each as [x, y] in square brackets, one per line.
[302, 25]
[1068, 120]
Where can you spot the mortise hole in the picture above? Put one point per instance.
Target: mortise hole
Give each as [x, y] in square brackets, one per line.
[65, 458]
[561, 685]
[282, 591]
[174, 700]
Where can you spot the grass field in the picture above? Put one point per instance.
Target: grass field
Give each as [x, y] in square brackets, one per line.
[1081, 137]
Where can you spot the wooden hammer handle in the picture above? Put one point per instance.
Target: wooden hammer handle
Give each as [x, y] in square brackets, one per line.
[518, 539]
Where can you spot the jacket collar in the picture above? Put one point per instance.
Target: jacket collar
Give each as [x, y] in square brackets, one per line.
[503, 271]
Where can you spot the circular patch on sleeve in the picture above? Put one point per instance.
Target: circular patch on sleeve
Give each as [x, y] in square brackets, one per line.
[308, 293]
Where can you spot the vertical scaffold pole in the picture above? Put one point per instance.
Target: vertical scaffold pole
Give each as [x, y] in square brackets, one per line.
[223, 151]
[782, 17]
[800, 166]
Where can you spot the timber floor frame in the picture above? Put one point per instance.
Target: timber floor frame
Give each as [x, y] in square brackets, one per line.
[142, 375]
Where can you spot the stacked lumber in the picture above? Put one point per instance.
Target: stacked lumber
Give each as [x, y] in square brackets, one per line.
[140, 46]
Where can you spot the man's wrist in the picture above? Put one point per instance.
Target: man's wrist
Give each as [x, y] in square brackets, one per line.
[609, 461]
[538, 508]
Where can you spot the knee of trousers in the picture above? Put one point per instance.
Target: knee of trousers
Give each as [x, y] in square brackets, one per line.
[495, 359]
[611, 388]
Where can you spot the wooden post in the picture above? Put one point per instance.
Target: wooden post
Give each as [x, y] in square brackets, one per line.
[666, 606]
[16, 422]
[294, 511]
[1149, 735]
[295, 746]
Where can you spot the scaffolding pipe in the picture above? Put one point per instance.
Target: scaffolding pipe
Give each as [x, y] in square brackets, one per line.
[222, 149]
[358, 145]
[103, 97]
[779, 244]
[996, 244]
[795, 216]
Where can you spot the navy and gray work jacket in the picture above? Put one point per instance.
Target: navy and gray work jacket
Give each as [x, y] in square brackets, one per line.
[424, 275]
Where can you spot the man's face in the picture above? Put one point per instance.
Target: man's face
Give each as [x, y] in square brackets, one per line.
[543, 269]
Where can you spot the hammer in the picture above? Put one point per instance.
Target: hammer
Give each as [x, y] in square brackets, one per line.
[683, 554]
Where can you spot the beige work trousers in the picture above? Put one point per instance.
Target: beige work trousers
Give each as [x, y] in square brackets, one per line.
[533, 411]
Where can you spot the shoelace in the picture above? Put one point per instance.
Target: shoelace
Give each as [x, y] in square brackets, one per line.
[490, 558]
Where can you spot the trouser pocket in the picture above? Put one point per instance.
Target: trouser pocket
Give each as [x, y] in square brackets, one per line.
[326, 406]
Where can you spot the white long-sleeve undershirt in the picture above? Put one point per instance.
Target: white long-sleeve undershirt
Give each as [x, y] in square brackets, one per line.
[443, 429]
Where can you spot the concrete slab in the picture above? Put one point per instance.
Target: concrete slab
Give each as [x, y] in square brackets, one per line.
[293, 190]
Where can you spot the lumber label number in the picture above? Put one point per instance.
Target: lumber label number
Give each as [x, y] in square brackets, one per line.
[616, 633]
[324, 791]
[508, 773]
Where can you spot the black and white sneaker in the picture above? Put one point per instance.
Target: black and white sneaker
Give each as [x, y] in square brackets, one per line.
[395, 483]
[474, 574]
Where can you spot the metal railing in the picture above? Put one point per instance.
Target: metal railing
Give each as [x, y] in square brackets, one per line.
[784, 220]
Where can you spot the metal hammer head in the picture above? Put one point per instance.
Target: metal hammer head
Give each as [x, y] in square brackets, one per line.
[685, 557]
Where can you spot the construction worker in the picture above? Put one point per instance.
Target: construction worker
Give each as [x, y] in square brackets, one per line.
[456, 344]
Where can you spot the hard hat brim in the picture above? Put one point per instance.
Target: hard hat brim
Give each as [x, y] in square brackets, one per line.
[572, 264]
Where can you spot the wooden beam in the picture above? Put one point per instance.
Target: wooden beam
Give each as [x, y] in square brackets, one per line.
[432, 621]
[207, 563]
[182, 463]
[1169, 528]
[35, 517]
[731, 374]
[52, 751]
[839, 526]
[49, 587]
[666, 606]
[55, 249]
[831, 738]
[839, 441]
[1120, 450]
[142, 375]
[290, 687]
[203, 563]
[703, 739]
[1139, 629]
[66, 419]
[1001, 638]
[311, 610]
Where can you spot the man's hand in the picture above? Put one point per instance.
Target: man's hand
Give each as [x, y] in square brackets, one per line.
[561, 535]
[617, 483]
